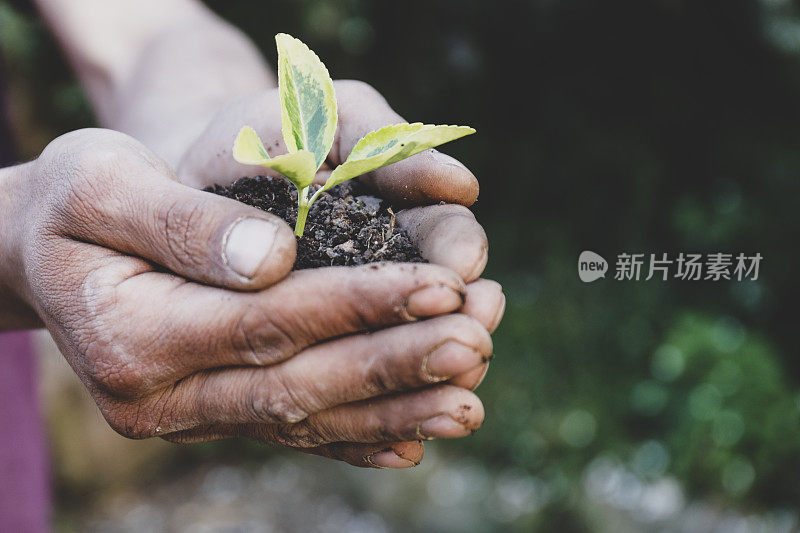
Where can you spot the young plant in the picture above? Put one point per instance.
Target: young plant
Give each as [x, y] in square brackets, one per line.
[308, 123]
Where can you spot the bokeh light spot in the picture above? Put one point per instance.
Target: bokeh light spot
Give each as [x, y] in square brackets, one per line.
[668, 363]
[578, 428]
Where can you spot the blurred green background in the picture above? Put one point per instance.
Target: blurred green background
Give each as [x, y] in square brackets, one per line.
[638, 126]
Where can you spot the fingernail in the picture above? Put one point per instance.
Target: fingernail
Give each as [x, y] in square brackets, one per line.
[442, 426]
[388, 459]
[450, 359]
[248, 244]
[433, 300]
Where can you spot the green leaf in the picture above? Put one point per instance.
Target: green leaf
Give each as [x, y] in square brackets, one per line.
[391, 144]
[308, 101]
[248, 148]
[299, 167]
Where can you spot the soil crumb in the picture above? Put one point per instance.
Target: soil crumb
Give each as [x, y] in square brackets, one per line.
[345, 226]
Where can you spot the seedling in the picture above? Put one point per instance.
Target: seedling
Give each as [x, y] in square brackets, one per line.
[308, 123]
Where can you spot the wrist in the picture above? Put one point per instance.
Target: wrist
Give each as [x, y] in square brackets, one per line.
[105, 39]
[15, 313]
[169, 118]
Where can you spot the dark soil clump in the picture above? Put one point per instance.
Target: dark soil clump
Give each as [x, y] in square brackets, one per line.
[345, 226]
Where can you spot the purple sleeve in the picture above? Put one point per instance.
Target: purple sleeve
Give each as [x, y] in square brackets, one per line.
[24, 476]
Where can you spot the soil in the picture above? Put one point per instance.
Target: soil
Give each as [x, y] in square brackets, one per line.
[345, 226]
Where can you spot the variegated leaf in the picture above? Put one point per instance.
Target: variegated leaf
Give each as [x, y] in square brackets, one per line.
[299, 167]
[248, 148]
[308, 100]
[391, 144]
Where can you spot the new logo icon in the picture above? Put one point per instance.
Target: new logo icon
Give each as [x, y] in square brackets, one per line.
[591, 266]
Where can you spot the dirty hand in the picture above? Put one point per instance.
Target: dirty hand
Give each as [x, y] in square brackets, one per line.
[447, 235]
[132, 274]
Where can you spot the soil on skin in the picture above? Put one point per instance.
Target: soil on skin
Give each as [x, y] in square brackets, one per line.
[345, 226]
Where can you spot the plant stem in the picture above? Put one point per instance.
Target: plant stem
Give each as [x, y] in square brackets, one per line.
[303, 205]
[302, 213]
[316, 194]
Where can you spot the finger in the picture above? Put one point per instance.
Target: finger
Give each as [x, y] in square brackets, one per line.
[380, 455]
[485, 303]
[425, 178]
[199, 327]
[210, 161]
[471, 379]
[448, 235]
[312, 306]
[338, 372]
[332, 373]
[122, 198]
[442, 411]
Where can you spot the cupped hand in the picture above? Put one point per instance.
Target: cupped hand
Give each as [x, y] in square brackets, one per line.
[132, 274]
[447, 235]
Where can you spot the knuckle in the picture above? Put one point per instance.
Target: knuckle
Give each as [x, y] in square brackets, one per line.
[180, 225]
[277, 401]
[141, 418]
[76, 142]
[88, 152]
[261, 338]
[98, 157]
[121, 362]
[300, 435]
[245, 343]
[114, 370]
[381, 377]
[85, 165]
[126, 420]
[119, 381]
